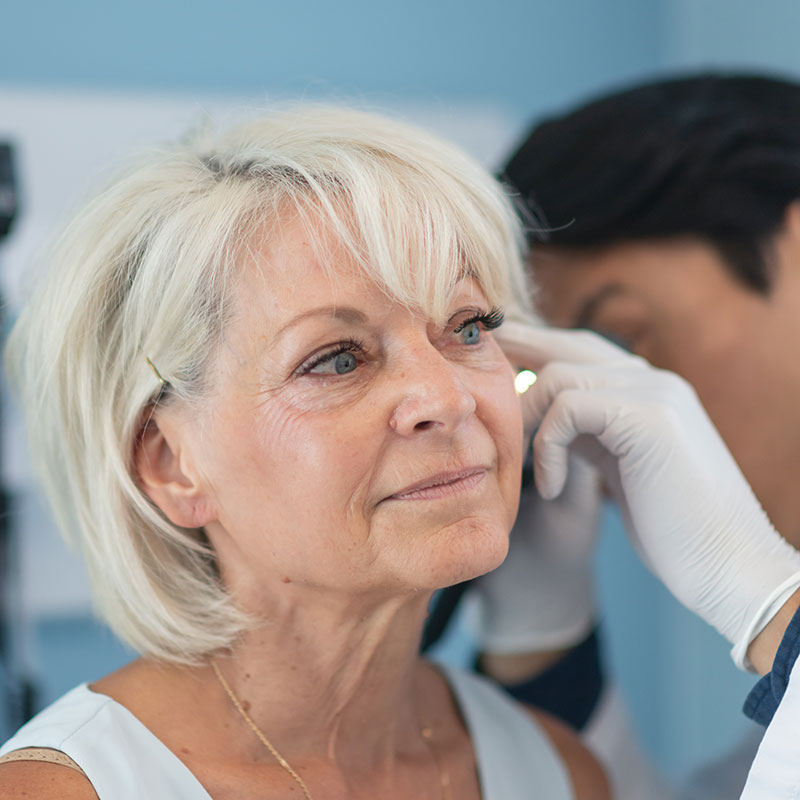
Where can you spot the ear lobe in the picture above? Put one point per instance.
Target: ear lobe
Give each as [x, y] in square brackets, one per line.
[162, 476]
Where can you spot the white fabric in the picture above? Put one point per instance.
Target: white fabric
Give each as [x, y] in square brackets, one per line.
[124, 761]
[516, 761]
[687, 507]
[775, 774]
[610, 736]
[724, 777]
[119, 755]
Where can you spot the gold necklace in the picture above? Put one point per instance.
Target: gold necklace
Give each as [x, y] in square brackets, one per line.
[444, 775]
[426, 732]
[257, 731]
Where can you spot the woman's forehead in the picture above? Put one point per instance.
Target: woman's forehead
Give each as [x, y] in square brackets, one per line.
[300, 264]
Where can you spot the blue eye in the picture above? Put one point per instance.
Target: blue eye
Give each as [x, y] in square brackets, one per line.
[470, 333]
[470, 329]
[338, 362]
[344, 362]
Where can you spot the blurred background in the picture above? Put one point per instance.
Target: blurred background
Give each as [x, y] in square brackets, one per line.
[84, 83]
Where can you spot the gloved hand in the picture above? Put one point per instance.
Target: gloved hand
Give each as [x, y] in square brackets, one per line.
[687, 507]
[541, 597]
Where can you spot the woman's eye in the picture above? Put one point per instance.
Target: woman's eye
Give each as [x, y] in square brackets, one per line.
[470, 333]
[335, 364]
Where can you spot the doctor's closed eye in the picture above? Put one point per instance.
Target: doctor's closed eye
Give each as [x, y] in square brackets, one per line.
[615, 338]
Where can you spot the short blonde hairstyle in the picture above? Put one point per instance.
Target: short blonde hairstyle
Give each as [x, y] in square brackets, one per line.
[146, 270]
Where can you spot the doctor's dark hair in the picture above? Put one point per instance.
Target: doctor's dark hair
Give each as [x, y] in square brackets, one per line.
[710, 156]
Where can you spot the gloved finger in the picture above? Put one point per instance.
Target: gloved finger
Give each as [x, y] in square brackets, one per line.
[567, 527]
[532, 346]
[561, 376]
[583, 486]
[571, 414]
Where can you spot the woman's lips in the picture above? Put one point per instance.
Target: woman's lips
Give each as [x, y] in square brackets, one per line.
[445, 484]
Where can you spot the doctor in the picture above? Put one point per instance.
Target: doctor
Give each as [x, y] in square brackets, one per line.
[688, 510]
[667, 218]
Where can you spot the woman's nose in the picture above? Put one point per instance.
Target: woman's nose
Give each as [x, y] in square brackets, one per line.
[433, 395]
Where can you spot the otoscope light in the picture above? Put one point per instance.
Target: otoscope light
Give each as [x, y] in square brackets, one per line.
[524, 380]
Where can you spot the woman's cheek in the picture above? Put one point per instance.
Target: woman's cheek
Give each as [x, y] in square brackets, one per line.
[507, 414]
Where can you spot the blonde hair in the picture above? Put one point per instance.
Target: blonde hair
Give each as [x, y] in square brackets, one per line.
[146, 270]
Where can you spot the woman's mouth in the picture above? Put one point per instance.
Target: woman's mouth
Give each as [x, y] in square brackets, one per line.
[445, 484]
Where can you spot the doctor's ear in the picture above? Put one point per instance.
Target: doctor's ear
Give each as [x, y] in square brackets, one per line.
[791, 222]
[165, 473]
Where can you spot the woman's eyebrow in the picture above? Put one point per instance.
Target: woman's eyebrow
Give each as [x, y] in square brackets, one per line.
[344, 313]
[589, 307]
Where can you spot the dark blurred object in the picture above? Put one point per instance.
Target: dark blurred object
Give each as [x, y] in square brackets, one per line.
[9, 203]
[442, 609]
[18, 692]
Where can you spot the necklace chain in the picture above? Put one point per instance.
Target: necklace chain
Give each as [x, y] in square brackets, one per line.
[444, 775]
[257, 731]
[426, 732]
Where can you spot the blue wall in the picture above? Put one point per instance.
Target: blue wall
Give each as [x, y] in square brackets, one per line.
[524, 54]
[733, 33]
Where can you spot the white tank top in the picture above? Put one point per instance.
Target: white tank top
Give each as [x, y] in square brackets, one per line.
[124, 761]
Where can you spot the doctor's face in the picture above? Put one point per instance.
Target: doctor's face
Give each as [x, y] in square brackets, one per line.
[678, 305]
[353, 444]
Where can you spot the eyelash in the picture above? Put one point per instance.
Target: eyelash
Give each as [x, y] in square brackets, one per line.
[345, 346]
[490, 320]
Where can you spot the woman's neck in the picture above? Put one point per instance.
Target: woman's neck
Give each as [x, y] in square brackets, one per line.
[333, 680]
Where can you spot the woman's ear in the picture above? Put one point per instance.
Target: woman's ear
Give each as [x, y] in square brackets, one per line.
[164, 474]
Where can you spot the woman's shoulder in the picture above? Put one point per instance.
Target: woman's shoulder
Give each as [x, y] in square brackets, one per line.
[26, 769]
[88, 744]
[44, 781]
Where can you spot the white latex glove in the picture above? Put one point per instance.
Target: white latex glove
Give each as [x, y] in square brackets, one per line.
[541, 597]
[687, 507]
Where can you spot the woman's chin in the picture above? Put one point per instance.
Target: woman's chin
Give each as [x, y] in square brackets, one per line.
[464, 557]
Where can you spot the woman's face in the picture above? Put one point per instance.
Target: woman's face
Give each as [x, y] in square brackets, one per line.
[349, 442]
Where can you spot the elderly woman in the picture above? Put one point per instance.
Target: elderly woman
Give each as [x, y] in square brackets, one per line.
[265, 399]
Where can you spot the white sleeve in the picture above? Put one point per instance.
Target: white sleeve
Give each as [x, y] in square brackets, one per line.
[724, 777]
[609, 735]
[776, 770]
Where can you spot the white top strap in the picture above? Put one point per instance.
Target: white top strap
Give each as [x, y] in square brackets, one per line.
[515, 757]
[118, 754]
